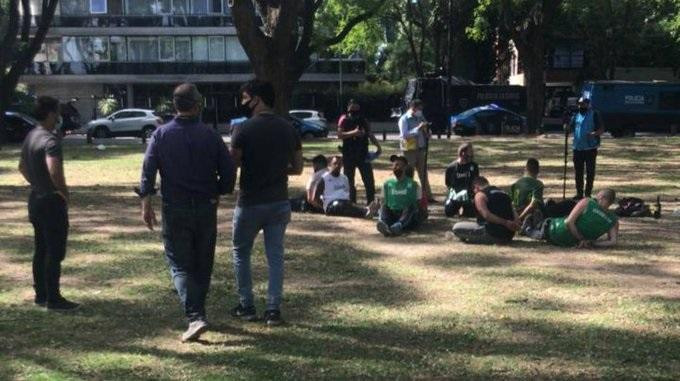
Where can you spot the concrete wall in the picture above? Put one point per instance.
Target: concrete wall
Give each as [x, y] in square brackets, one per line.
[82, 91]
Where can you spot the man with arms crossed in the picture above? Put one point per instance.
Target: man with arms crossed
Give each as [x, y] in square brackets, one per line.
[268, 149]
[589, 220]
[195, 169]
[42, 165]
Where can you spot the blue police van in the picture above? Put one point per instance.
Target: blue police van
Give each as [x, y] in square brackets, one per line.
[630, 107]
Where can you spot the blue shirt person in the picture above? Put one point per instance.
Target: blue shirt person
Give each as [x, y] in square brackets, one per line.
[587, 127]
[195, 168]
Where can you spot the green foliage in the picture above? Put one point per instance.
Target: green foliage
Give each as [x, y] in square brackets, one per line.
[108, 105]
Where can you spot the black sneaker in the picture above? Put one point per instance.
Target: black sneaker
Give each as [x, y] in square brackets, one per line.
[384, 229]
[42, 302]
[61, 304]
[244, 313]
[273, 317]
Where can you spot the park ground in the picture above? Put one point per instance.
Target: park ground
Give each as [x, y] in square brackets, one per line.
[358, 305]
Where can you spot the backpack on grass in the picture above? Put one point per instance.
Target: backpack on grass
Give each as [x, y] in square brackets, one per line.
[632, 207]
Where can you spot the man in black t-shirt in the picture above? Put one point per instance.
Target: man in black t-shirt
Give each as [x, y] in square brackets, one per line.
[42, 165]
[497, 220]
[355, 133]
[268, 150]
[458, 178]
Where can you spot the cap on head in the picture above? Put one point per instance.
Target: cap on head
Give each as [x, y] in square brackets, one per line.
[403, 159]
[584, 100]
[186, 96]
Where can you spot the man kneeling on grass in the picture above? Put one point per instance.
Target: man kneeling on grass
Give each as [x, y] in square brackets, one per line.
[497, 220]
[589, 220]
[399, 211]
[332, 194]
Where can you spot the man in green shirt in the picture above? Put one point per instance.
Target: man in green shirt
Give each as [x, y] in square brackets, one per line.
[400, 201]
[588, 221]
[527, 192]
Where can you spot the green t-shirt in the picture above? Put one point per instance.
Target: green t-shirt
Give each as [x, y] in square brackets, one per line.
[399, 195]
[526, 190]
[592, 223]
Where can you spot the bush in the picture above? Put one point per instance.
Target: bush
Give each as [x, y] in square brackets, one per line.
[107, 106]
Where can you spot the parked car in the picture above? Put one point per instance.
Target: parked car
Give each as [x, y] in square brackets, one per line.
[126, 122]
[488, 119]
[308, 130]
[311, 116]
[15, 126]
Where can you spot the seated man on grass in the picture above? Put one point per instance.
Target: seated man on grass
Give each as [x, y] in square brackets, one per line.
[332, 194]
[497, 221]
[586, 223]
[304, 203]
[527, 192]
[458, 179]
[400, 206]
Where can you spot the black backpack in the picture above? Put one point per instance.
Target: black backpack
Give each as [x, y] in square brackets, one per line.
[632, 207]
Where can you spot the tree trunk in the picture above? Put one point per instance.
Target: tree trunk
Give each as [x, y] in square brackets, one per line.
[532, 52]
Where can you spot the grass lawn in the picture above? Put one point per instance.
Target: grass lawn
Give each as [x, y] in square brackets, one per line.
[358, 305]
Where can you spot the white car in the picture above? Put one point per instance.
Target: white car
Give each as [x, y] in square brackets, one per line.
[311, 116]
[127, 122]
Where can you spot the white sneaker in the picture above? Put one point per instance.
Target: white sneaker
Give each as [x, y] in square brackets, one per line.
[372, 209]
[195, 330]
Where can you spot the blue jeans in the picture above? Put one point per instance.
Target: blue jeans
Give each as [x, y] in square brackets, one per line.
[272, 219]
[189, 235]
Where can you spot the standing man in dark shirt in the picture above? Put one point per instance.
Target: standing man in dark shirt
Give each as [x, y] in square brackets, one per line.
[355, 133]
[458, 178]
[497, 220]
[268, 149]
[195, 169]
[42, 165]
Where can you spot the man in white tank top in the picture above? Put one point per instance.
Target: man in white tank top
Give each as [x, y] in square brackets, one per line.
[333, 194]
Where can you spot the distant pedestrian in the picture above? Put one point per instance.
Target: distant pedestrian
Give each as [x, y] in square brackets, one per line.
[355, 133]
[414, 132]
[268, 149]
[195, 169]
[42, 165]
[587, 127]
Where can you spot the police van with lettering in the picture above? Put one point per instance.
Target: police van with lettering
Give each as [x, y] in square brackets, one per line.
[628, 107]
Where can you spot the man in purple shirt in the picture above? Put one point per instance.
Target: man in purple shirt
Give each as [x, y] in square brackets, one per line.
[195, 169]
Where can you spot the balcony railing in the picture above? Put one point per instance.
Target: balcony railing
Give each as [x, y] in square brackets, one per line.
[98, 21]
[176, 68]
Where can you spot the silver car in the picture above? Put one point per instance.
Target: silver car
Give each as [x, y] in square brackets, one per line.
[127, 122]
[311, 116]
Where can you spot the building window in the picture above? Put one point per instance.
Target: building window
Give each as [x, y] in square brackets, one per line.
[215, 6]
[167, 48]
[41, 56]
[77, 49]
[75, 7]
[199, 7]
[53, 49]
[118, 49]
[183, 49]
[216, 48]
[180, 6]
[235, 52]
[140, 7]
[142, 49]
[162, 7]
[200, 48]
[115, 7]
[566, 58]
[100, 48]
[98, 6]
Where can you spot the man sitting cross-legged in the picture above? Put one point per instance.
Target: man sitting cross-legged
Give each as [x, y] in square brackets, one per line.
[399, 210]
[497, 221]
[587, 222]
[332, 194]
[304, 203]
[527, 192]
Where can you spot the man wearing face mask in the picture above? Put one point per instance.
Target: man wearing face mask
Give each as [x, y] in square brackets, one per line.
[587, 127]
[332, 194]
[355, 133]
[400, 208]
[267, 149]
[414, 132]
[43, 167]
[458, 179]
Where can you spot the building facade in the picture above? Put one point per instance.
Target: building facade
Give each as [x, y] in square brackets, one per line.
[138, 50]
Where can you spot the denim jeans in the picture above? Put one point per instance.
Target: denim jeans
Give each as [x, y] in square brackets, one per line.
[189, 235]
[272, 219]
[49, 216]
[472, 232]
